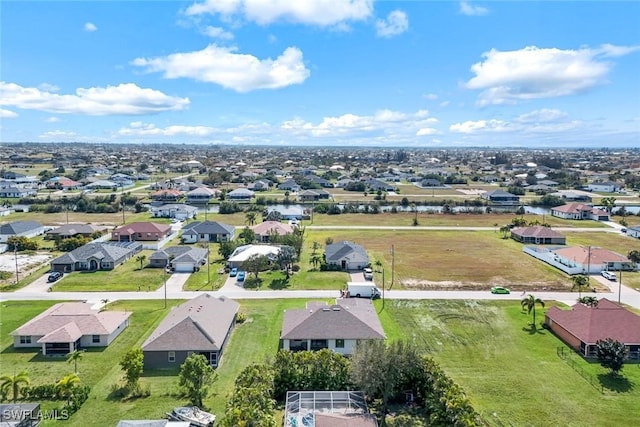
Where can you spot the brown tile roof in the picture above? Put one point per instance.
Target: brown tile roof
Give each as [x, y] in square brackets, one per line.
[273, 227]
[573, 208]
[344, 320]
[87, 320]
[142, 227]
[581, 254]
[67, 333]
[201, 323]
[607, 320]
[536, 231]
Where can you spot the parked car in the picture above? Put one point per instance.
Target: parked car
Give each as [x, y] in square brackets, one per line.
[241, 275]
[500, 290]
[54, 276]
[233, 272]
[609, 275]
[368, 273]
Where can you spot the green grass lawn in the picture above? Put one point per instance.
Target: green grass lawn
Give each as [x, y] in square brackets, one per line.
[508, 371]
[125, 277]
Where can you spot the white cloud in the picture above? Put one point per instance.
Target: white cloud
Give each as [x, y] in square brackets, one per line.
[126, 99]
[427, 131]
[52, 119]
[58, 135]
[90, 27]
[395, 23]
[480, 125]
[217, 33]
[240, 72]
[149, 129]
[430, 96]
[6, 114]
[543, 115]
[532, 73]
[48, 87]
[466, 8]
[321, 13]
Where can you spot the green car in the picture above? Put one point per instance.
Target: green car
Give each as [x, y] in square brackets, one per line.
[500, 290]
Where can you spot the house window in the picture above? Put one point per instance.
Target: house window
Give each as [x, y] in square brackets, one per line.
[95, 339]
[319, 344]
[172, 356]
[339, 343]
[25, 339]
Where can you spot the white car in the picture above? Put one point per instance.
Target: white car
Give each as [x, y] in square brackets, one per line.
[609, 275]
[368, 273]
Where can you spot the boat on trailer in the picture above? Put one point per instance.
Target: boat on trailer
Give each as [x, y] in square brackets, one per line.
[194, 415]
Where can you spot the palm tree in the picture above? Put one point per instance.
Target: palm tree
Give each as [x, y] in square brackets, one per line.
[14, 383]
[74, 356]
[505, 230]
[378, 265]
[315, 260]
[529, 303]
[141, 259]
[251, 217]
[67, 384]
[579, 281]
[315, 246]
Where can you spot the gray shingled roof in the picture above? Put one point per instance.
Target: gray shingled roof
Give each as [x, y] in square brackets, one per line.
[200, 324]
[338, 251]
[207, 227]
[180, 254]
[19, 227]
[343, 320]
[102, 251]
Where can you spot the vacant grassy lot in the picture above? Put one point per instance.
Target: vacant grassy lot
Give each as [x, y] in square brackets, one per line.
[126, 277]
[495, 220]
[468, 259]
[612, 241]
[509, 371]
[60, 218]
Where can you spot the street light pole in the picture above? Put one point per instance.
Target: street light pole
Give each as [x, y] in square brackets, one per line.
[15, 255]
[620, 287]
[165, 284]
[393, 261]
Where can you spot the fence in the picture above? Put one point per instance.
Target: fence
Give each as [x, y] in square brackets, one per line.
[570, 358]
[544, 254]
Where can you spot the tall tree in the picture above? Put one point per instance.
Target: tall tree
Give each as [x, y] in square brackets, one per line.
[589, 301]
[250, 218]
[529, 303]
[609, 203]
[286, 257]
[132, 363]
[74, 357]
[611, 354]
[196, 376]
[255, 264]
[67, 384]
[316, 259]
[14, 383]
[634, 256]
[141, 259]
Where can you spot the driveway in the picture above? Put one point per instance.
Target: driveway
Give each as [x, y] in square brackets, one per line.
[40, 285]
[232, 285]
[175, 282]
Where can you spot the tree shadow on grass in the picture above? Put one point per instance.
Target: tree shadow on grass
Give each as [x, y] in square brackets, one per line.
[278, 284]
[533, 330]
[615, 382]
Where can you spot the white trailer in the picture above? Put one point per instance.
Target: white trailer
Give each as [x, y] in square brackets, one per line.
[363, 290]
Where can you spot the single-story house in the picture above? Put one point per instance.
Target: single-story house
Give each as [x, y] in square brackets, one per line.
[266, 229]
[207, 231]
[337, 327]
[167, 195]
[592, 259]
[582, 326]
[260, 185]
[634, 232]
[574, 196]
[604, 187]
[430, 182]
[377, 185]
[95, 256]
[181, 259]
[141, 231]
[102, 184]
[538, 235]
[67, 231]
[63, 183]
[501, 198]
[201, 325]
[15, 192]
[579, 211]
[174, 210]
[288, 212]
[313, 195]
[346, 255]
[243, 253]
[201, 195]
[240, 194]
[289, 185]
[69, 326]
[26, 229]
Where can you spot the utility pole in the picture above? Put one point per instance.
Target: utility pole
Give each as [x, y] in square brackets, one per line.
[620, 286]
[393, 262]
[383, 288]
[15, 255]
[589, 267]
[208, 265]
[165, 284]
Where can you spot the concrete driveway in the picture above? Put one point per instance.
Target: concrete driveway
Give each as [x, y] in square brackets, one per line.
[40, 285]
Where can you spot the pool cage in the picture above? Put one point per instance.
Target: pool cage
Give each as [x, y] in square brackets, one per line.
[311, 408]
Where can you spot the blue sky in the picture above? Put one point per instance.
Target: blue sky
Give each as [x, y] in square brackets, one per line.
[322, 72]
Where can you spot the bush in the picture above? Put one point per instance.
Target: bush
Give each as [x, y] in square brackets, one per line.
[241, 318]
